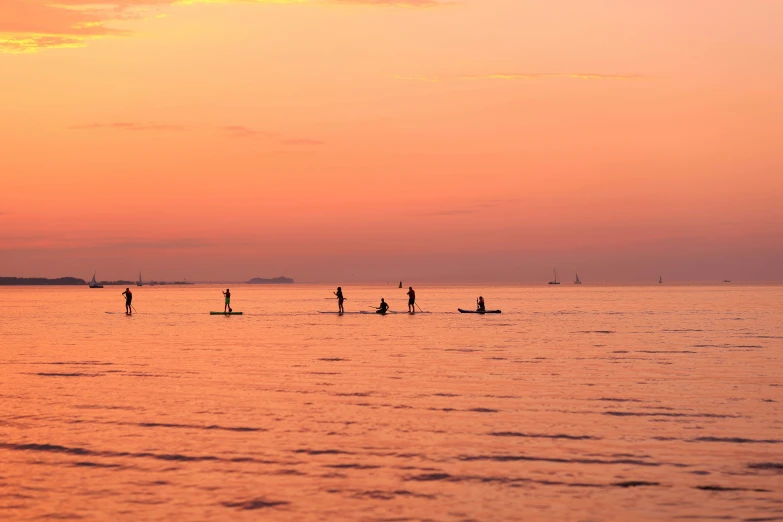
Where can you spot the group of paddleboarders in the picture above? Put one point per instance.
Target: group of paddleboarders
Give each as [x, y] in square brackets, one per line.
[382, 308]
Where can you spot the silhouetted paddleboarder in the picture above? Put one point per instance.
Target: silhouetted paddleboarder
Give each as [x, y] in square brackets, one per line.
[128, 298]
[227, 306]
[480, 305]
[340, 299]
[383, 308]
[411, 300]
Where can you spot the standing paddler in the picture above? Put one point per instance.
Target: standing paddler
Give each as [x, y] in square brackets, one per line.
[128, 298]
[227, 306]
[340, 299]
[411, 300]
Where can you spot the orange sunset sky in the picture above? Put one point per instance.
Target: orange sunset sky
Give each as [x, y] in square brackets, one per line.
[372, 140]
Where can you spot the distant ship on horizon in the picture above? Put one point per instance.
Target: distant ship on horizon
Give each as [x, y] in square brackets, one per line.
[660, 280]
[274, 281]
[139, 283]
[577, 281]
[555, 282]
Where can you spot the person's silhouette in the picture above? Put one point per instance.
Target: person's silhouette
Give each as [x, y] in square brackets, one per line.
[411, 300]
[340, 299]
[227, 306]
[128, 298]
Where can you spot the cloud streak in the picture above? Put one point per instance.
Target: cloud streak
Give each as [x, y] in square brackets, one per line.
[28, 26]
[538, 76]
[521, 76]
[126, 126]
[240, 131]
[303, 142]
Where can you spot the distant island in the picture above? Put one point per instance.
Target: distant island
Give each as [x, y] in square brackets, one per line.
[41, 281]
[274, 281]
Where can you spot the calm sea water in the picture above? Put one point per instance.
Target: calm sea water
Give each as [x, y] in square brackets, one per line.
[577, 403]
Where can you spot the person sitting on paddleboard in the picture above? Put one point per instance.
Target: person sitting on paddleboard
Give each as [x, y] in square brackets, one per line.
[411, 300]
[383, 307]
[480, 302]
[128, 298]
[340, 299]
[227, 306]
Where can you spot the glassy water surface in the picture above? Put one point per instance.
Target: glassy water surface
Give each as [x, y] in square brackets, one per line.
[577, 403]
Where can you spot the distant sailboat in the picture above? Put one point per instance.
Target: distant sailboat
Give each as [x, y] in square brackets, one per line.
[660, 280]
[139, 282]
[577, 282]
[94, 283]
[555, 282]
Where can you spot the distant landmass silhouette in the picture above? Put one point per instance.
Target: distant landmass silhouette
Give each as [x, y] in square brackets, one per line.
[274, 281]
[41, 281]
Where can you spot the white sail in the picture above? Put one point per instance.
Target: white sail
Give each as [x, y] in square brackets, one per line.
[94, 283]
[578, 282]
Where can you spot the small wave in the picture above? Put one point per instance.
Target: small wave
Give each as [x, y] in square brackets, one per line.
[661, 414]
[323, 452]
[77, 374]
[772, 466]
[85, 363]
[722, 488]
[193, 426]
[541, 435]
[727, 346]
[387, 495]
[736, 440]
[635, 484]
[528, 458]
[256, 503]
[352, 466]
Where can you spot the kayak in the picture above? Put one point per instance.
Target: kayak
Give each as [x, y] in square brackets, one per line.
[225, 313]
[478, 312]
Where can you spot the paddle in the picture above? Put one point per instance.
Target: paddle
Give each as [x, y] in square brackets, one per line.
[420, 310]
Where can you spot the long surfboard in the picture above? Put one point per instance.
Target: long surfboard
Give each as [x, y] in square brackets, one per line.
[477, 312]
[225, 313]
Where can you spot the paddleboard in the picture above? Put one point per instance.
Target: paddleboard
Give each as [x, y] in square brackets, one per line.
[477, 312]
[225, 313]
